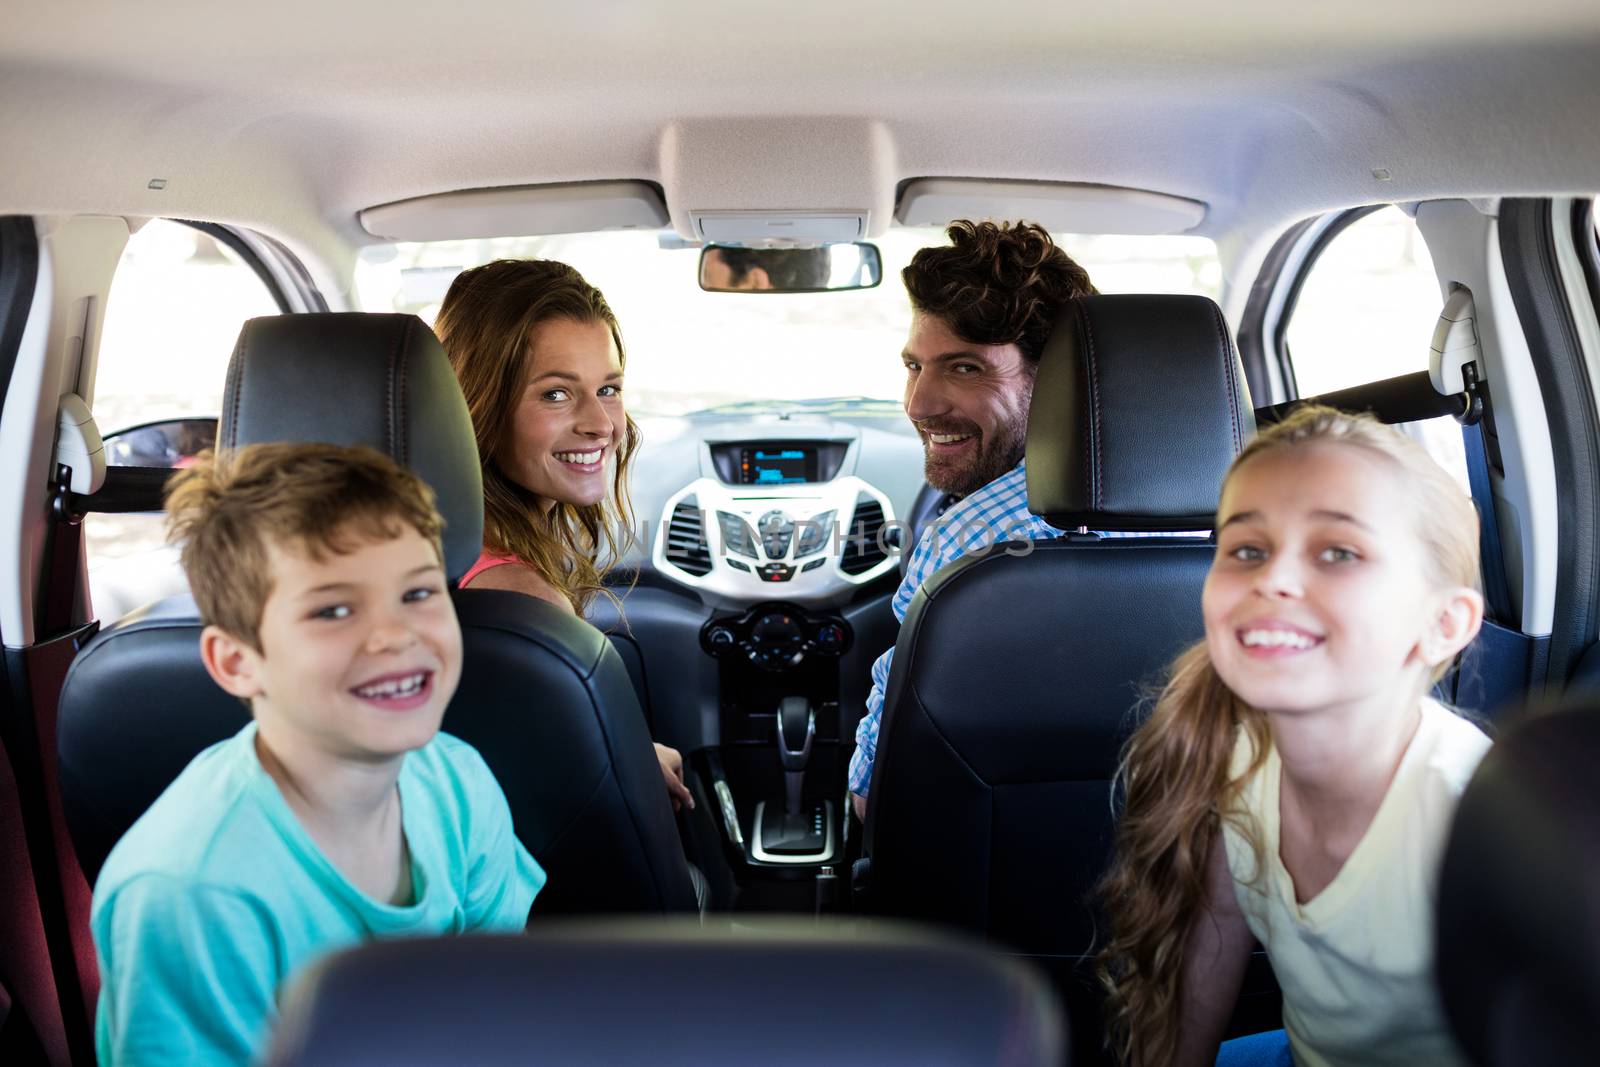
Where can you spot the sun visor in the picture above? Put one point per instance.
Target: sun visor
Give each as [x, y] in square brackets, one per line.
[1057, 206]
[519, 211]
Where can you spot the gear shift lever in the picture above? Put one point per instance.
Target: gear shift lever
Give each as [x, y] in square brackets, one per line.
[797, 726]
[796, 832]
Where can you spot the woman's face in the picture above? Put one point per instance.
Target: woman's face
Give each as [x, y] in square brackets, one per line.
[570, 418]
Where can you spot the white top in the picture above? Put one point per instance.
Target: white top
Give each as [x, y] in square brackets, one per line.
[1356, 962]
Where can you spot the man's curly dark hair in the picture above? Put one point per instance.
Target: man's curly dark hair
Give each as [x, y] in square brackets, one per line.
[997, 283]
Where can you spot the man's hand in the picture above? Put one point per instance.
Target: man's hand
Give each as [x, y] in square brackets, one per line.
[859, 802]
[672, 770]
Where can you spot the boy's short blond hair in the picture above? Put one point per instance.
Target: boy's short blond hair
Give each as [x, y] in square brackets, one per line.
[230, 506]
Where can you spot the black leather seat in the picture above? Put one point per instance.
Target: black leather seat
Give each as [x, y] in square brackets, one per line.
[669, 995]
[543, 697]
[1016, 674]
[1519, 896]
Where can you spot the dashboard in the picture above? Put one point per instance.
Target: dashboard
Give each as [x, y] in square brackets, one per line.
[782, 504]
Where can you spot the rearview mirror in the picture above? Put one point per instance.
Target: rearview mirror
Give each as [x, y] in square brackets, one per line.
[830, 268]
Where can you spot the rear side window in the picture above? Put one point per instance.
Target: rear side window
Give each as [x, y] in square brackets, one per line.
[177, 301]
[1365, 312]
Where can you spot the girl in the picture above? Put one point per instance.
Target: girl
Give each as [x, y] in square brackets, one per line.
[1295, 782]
[539, 355]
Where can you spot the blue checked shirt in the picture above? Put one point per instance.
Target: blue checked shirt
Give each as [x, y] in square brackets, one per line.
[997, 512]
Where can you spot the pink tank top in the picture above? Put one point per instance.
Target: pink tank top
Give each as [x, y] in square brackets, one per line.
[486, 560]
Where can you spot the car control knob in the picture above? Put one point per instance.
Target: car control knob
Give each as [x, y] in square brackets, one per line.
[720, 638]
[830, 637]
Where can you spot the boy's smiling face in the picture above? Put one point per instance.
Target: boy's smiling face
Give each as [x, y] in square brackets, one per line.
[359, 652]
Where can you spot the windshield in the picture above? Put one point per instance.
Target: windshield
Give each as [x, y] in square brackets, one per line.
[690, 350]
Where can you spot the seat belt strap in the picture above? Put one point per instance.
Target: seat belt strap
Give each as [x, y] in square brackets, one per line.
[1495, 591]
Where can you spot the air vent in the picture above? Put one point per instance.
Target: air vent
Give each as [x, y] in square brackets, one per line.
[686, 539]
[862, 552]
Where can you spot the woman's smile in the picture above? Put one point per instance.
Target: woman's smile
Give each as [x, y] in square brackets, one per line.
[591, 460]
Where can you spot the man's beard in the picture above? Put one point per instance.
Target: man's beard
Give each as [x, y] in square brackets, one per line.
[995, 456]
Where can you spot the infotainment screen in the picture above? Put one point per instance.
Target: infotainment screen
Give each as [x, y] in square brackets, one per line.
[777, 466]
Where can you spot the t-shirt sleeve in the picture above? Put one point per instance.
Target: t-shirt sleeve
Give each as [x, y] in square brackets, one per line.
[502, 878]
[189, 974]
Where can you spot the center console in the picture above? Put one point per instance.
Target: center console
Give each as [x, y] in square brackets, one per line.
[780, 765]
[791, 554]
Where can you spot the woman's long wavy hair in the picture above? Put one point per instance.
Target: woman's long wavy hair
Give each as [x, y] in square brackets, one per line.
[486, 325]
[1175, 776]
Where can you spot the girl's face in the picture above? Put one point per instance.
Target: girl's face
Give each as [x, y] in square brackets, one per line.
[567, 425]
[1321, 595]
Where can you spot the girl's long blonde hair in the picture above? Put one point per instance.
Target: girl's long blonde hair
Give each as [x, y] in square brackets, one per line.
[1175, 775]
[486, 325]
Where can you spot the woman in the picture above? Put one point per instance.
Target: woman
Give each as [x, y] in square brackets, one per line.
[539, 356]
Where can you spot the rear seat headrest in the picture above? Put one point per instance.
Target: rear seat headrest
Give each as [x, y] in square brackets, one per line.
[1139, 407]
[359, 379]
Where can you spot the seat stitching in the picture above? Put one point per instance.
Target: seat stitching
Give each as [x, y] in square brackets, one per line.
[389, 404]
[1096, 460]
[560, 836]
[1227, 368]
[402, 434]
[235, 374]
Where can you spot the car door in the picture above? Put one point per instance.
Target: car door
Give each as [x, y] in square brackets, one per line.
[1350, 303]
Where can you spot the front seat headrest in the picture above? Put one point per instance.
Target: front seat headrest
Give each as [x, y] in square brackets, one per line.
[1139, 407]
[359, 379]
[1518, 926]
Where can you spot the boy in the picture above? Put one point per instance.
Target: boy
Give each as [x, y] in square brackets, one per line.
[340, 813]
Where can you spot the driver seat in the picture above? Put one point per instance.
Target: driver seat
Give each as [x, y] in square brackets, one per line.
[1017, 674]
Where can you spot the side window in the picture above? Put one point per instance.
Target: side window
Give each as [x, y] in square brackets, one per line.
[176, 304]
[1366, 312]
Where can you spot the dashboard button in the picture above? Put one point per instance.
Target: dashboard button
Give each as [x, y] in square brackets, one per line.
[720, 638]
[814, 564]
[776, 572]
[777, 531]
[738, 565]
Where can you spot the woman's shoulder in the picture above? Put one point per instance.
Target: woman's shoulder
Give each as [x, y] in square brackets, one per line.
[515, 576]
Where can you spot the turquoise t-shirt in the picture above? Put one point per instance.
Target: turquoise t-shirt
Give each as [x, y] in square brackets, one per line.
[217, 895]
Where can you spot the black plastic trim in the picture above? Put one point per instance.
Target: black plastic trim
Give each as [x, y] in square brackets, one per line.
[1251, 335]
[19, 273]
[290, 262]
[1406, 398]
[126, 490]
[1584, 222]
[1527, 247]
[226, 236]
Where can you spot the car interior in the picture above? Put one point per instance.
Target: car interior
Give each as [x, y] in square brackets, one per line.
[220, 227]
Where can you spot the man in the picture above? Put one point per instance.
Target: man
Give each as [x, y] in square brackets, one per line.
[726, 268]
[982, 309]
